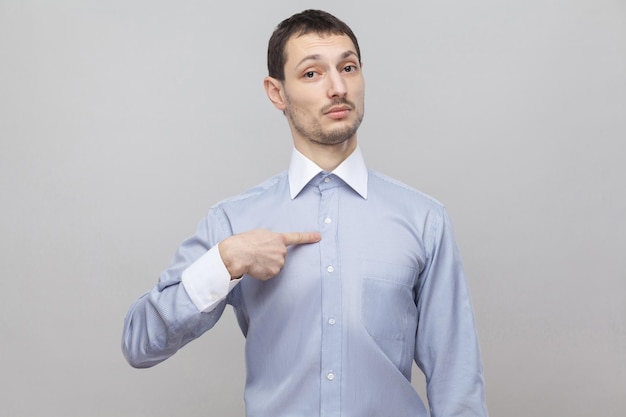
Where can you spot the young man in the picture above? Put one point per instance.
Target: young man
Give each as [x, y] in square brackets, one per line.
[339, 276]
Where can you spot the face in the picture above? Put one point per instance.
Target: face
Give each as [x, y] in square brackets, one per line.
[322, 94]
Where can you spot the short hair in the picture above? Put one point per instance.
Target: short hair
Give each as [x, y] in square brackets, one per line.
[299, 24]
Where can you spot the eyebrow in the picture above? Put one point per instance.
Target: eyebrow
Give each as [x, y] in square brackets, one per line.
[317, 57]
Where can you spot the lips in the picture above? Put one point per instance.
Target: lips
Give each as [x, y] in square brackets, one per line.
[338, 112]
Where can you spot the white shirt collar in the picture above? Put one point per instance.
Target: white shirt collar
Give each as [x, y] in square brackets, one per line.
[352, 171]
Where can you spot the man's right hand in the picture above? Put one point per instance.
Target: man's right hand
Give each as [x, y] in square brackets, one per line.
[260, 253]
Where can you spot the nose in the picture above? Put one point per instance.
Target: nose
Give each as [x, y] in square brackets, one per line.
[337, 85]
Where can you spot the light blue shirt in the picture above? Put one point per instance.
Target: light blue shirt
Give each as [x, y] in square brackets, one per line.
[336, 332]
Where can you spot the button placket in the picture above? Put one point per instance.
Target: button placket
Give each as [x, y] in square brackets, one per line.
[331, 294]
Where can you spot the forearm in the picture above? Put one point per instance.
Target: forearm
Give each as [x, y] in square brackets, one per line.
[453, 365]
[162, 321]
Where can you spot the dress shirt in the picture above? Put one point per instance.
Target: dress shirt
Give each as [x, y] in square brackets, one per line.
[336, 331]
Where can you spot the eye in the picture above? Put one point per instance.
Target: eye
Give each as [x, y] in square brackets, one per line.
[350, 68]
[309, 74]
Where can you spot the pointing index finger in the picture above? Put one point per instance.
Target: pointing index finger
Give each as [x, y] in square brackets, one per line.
[300, 238]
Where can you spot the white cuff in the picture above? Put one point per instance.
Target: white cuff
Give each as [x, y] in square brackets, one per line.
[207, 281]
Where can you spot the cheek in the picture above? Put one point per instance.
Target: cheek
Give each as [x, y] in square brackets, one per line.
[360, 89]
[357, 91]
[301, 100]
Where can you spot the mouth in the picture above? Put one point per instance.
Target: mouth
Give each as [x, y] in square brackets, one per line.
[338, 112]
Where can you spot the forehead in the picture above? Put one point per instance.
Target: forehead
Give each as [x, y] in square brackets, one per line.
[324, 47]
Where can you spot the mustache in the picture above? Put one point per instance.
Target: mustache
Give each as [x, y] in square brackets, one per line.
[337, 102]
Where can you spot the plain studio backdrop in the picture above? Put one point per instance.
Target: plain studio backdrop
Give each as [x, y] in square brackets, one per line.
[122, 122]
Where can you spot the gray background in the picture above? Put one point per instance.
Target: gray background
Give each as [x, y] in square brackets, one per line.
[121, 122]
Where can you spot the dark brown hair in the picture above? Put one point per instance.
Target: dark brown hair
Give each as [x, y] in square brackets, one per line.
[299, 24]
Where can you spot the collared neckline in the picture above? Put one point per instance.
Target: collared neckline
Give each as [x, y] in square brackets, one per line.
[352, 171]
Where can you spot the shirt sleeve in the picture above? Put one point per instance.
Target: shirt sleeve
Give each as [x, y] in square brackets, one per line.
[174, 313]
[447, 347]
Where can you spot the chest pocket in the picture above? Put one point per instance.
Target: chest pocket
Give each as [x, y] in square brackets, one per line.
[388, 310]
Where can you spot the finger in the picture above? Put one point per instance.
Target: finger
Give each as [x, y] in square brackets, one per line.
[300, 238]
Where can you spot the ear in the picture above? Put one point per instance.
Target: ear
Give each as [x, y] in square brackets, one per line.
[274, 90]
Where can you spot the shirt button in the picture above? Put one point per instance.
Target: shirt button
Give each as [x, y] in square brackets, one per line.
[327, 220]
[330, 376]
[330, 269]
[327, 180]
[331, 321]
[212, 296]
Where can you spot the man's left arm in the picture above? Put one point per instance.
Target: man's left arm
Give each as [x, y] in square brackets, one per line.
[446, 346]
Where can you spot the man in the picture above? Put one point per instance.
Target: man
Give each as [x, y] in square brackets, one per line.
[339, 277]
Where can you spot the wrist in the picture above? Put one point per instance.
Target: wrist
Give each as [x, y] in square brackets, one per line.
[234, 268]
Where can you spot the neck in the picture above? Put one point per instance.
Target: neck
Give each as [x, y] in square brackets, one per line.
[327, 157]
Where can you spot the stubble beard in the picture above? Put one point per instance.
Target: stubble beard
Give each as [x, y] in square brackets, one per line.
[315, 133]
